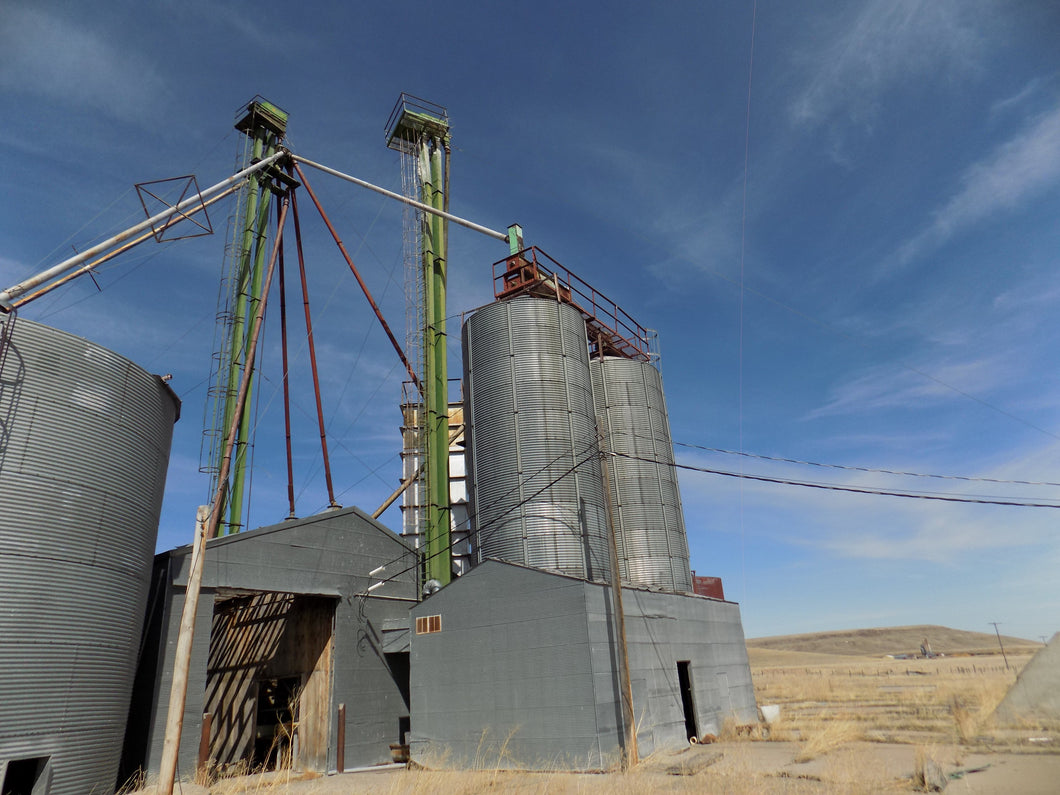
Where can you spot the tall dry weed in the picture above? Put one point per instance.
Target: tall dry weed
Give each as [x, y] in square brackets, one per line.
[828, 735]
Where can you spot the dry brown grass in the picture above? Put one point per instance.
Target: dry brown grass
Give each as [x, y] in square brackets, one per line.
[906, 701]
[830, 707]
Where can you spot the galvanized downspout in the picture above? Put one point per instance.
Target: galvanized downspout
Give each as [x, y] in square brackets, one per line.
[249, 291]
[438, 554]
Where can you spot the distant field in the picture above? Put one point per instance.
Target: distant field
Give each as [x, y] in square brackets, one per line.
[837, 687]
[941, 700]
[895, 640]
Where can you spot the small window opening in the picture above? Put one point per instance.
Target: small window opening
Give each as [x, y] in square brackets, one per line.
[425, 624]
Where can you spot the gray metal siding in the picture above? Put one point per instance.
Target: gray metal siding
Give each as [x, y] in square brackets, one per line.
[193, 702]
[645, 497]
[535, 488]
[526, 662]
[507, 681]
[363, 681]
[84, 447]
[663, 629]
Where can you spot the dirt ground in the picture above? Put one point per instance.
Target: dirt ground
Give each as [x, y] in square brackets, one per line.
[847, 724]
[736, 767]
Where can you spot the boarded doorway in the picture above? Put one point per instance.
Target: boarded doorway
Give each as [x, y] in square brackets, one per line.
[268, 682]
[688, 703]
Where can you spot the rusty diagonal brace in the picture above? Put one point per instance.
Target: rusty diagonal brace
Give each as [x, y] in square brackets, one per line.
[313, 349]
[360, 281]
[286, 381]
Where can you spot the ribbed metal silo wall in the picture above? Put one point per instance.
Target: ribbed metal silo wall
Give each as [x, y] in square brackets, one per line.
[84, 447]
[534, 479]
[645, 497]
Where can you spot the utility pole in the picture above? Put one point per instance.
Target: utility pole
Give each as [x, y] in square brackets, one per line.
[207, 521]
[630, 752]
[999, 643]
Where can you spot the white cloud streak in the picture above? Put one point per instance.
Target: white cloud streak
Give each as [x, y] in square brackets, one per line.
[54, 58]
[1016, 171]
[884, 387]
[885, 45]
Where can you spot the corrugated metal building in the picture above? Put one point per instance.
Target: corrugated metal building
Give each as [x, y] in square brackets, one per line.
[517, 667]
[285, 633]
[84, 447]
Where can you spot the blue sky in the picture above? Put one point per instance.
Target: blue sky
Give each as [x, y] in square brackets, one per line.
[877, 288]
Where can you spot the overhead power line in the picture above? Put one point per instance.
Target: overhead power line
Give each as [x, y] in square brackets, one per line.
[851, 489]
[867, 469]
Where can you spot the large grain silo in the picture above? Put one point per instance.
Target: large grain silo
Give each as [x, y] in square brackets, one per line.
[556, 375]
[535, 485]
[642, 481]
[84, 447]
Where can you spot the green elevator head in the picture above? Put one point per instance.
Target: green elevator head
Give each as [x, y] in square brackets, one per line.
[259, 112]
[413, 117]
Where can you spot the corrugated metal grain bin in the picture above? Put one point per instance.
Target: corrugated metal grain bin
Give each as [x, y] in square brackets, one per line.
[84, 447]
[645, 497]
[534, 480]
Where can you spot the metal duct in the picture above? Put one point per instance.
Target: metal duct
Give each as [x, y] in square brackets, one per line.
[645, 498]
[534, 480]
[84, 447]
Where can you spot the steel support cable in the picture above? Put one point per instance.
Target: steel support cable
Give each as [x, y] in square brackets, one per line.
[360, 281]
[852, 489]
[13, 292]
[593, 455]
[847, 467]
[308, 414]
[904, 365]
[331, 295]
[367, 332]
[47, 288]
[779, 459]
[404, 199]
[515, 488]
[69, 241]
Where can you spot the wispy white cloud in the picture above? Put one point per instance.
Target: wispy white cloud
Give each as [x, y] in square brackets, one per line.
[1020, 98]
[882, 46]
[884, 387]
[1016, 171]
[52, 57]
[244, 22]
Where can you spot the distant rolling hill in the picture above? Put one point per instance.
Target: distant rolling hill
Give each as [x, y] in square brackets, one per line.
[894, 640]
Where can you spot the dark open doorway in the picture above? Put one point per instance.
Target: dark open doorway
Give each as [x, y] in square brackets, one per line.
[684, 680]
[274, 725]
[25, 776]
